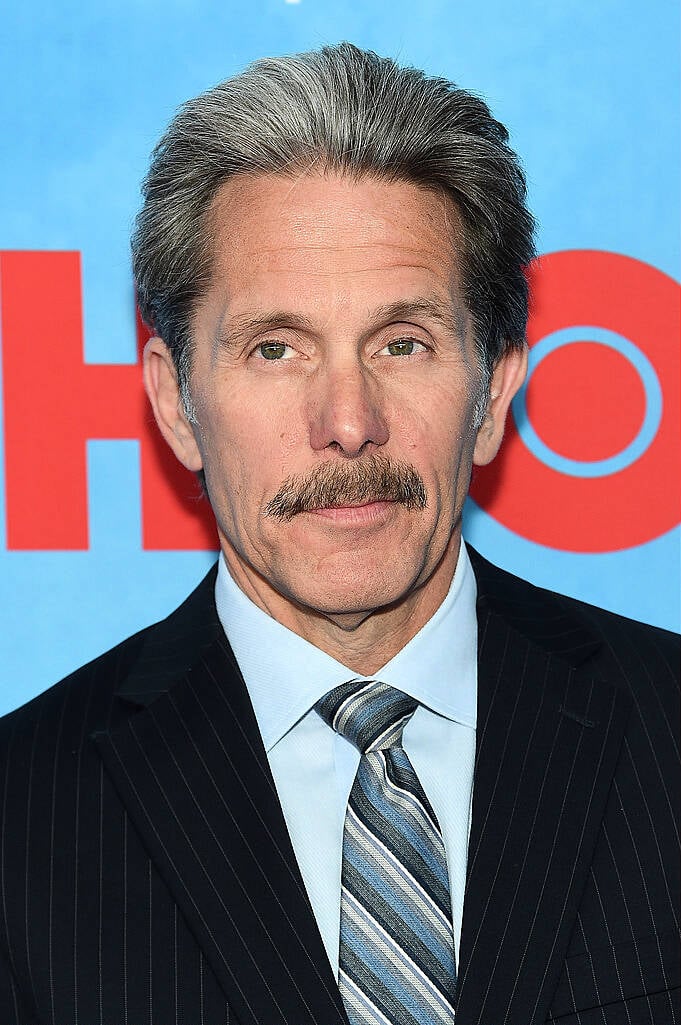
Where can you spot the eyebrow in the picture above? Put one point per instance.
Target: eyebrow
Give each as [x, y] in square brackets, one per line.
[448, 315]
[246, 325]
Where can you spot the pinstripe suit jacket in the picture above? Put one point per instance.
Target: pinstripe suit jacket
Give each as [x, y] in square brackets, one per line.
[147, 874]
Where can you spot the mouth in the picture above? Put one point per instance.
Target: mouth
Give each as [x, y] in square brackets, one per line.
[361, 514]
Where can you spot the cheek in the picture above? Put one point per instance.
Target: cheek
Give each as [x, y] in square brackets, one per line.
[248, 453]
[438, 436]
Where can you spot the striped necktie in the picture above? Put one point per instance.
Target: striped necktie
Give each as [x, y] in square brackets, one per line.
[397, 962]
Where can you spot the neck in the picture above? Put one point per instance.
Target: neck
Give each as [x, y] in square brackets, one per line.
[363, 641]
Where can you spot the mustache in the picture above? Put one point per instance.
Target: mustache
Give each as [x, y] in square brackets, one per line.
[375, 479]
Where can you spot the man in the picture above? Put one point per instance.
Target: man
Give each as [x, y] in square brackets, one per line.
[360, 775]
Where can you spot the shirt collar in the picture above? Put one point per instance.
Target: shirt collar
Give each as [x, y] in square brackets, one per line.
[286, 675]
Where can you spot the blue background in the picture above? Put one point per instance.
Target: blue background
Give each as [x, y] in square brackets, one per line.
[589, 92]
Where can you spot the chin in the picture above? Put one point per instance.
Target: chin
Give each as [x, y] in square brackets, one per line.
[355, 596]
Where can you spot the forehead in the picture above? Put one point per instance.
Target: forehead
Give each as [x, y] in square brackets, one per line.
[328, 224]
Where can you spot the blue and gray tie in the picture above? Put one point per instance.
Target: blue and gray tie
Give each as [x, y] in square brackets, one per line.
[397, 961]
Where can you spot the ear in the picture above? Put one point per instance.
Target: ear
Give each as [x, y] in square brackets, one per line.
[507, 379]
[160, 382]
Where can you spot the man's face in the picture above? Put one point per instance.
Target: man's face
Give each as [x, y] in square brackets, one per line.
[334, 382]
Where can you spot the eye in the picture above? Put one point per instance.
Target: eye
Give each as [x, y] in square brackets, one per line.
[274, 350]
[403, 347]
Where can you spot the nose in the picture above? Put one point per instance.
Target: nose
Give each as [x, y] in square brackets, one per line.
[346, 413]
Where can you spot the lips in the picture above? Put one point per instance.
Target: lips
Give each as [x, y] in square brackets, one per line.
[365, 514]
[355, 505]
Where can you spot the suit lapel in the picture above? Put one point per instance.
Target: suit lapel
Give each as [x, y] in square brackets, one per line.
[191, 769]
[548, 739]
[193, 773]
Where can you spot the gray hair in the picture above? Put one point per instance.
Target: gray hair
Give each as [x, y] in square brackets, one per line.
[350, 111]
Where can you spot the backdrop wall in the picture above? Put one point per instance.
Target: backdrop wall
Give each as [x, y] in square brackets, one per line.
[98, 533]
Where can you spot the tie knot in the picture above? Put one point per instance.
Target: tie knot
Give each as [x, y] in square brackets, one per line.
[370, 714]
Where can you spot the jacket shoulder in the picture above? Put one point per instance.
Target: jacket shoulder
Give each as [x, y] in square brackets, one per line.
[87, 696]
[622, 648]
[97, 679]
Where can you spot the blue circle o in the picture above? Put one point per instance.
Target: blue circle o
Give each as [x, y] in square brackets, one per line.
[651, 420]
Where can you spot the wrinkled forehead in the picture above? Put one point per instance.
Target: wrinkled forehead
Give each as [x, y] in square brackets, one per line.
[331, 222]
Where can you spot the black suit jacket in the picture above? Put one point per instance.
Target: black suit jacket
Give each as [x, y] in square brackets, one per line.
[147, 876]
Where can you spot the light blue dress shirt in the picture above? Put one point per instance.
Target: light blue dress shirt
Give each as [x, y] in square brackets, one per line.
[313, 767]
